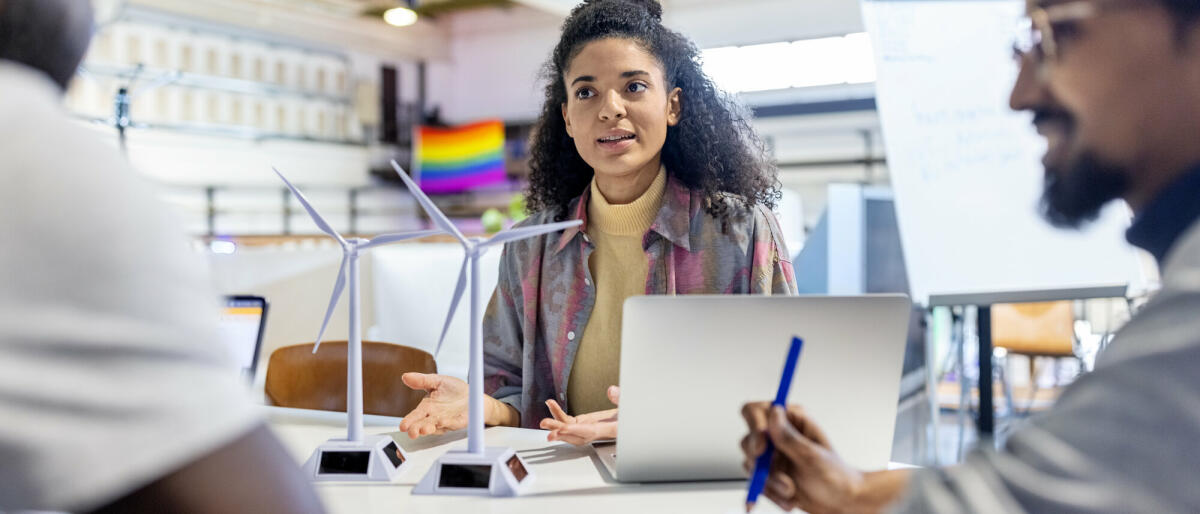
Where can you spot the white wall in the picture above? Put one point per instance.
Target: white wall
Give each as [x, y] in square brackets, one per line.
[494, 64]
[221, 126]
[495, 56]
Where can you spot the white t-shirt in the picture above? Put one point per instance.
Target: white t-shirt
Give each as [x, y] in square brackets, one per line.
[111, 374]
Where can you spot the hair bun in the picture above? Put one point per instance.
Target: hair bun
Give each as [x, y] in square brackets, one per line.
[652, 7]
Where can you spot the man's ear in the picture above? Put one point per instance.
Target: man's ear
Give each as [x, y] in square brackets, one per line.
[567, 121]
[674, 107]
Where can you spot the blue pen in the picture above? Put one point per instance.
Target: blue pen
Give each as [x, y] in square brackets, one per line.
[763, 465]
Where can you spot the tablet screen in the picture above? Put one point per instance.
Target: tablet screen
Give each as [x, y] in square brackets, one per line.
[241, 329]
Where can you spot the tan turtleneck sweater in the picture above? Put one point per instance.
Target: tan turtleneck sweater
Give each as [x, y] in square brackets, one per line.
[619, 268]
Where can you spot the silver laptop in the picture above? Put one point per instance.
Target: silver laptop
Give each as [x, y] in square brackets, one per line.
[688, 363]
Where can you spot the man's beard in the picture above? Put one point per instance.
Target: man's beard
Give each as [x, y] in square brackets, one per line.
[1076, 193]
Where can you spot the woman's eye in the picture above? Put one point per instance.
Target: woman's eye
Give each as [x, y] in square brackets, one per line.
[584, 94]
[1065, 31]
[637, 87]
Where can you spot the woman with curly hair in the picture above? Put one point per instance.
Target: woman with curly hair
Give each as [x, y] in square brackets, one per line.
[674, 191]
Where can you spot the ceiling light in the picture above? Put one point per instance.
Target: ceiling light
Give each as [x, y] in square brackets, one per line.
[400, 16]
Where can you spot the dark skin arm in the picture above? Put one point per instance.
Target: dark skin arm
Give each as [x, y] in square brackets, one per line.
[251, 474]
[806, 473]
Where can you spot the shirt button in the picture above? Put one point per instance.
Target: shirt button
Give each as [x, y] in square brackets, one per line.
[570, 336]
[562, 397]
[587, 281]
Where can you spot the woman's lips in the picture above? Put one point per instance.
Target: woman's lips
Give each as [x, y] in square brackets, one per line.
[618, 145]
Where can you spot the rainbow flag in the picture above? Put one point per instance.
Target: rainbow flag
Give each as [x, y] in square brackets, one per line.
[456, 159]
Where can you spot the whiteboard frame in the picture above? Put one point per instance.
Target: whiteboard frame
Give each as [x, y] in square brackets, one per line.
[1138, 279]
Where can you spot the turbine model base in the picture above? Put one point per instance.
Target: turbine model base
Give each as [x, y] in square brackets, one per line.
[496, 472]
[377, 458]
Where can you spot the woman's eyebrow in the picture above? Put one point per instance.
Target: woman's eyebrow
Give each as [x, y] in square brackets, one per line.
[624, 75]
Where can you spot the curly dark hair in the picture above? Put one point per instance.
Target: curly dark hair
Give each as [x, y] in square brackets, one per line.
[713, 148]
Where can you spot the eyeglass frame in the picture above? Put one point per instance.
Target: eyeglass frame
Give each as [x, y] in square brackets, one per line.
[1035, 35]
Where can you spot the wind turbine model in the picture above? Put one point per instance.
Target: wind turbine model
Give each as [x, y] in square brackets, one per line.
[479, 471]
[357, 458]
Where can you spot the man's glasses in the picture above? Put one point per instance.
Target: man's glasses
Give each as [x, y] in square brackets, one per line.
[1040, 36]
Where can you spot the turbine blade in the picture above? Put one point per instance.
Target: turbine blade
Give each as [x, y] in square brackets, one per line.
[458, 292]
[321, 224]
[337, 293]
[393, 238]
[514, 234]
[435, 214]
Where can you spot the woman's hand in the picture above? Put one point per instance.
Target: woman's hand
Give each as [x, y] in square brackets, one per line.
[581, 430]
[443, 410]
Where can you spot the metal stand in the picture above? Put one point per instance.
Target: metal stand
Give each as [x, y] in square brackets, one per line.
[964, 392]
[986, 421]
[932, 375]
[121, 117]
[122, 102]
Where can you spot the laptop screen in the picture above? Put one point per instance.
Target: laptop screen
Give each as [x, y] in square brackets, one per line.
[241, 330]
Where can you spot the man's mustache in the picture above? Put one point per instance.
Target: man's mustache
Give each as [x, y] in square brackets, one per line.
[1047, 115]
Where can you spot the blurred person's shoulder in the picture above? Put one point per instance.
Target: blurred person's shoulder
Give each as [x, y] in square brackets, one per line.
[107, 318]
[1166, 327]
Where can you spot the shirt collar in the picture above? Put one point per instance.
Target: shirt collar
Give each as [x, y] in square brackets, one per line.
[1167, 216]
[673, 222]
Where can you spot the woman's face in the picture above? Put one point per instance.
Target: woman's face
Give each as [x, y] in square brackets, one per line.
[618, 107]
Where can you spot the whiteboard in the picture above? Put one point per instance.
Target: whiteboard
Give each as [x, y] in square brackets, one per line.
[967, 170]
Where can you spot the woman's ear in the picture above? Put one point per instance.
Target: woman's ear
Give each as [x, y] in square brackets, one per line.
[673, 106]
[567, 122]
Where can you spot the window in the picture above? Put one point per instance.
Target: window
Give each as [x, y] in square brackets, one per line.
[160, 54]
[189, 106]
[235, 109]
[211, 65]
[186, 59]
[133, 50]
[805, 63]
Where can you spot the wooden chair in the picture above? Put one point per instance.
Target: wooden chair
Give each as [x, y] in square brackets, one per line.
[298, 378]
[1044, 329]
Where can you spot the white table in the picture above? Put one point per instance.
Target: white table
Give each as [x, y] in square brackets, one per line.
[569, 480]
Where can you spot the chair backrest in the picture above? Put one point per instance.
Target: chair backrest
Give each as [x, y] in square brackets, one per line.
[1045, 328]
[298, 378]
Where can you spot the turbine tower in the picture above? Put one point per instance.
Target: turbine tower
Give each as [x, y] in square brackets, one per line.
[357, 458]
[480, 470]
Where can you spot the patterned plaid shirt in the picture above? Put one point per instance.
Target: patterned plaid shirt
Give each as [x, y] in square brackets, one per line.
[535, 319]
